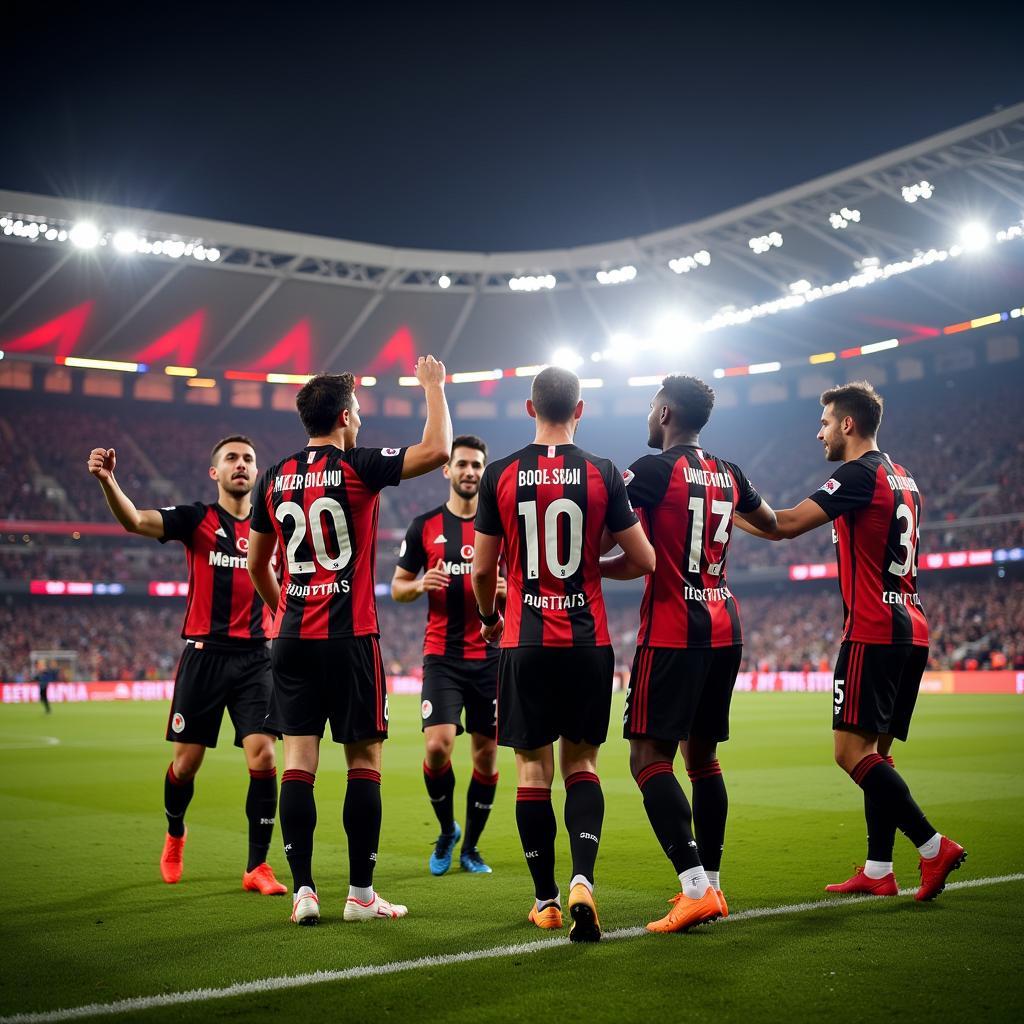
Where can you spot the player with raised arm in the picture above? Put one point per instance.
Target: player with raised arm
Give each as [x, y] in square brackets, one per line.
[874, 506]
[459, 669]
[690, 644]
[225, 663]
[320, 505]
[548, 504]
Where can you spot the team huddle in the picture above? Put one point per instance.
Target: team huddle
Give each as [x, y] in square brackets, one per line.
[517, 637]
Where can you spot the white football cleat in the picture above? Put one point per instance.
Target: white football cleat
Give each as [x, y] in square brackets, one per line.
[356, 910]
[305, 906]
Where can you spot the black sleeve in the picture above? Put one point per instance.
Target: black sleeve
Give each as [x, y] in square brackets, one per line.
[260, 521]
[411, 556]
[180, 521]
[619, 515]
[850, 487]
[378, 467]
[488, 516]
[647, 480]
[747, 498]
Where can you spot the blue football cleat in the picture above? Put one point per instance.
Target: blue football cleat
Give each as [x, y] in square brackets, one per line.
[473, 862]
[441, 858]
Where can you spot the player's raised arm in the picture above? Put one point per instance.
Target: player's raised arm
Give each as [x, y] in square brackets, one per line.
[436, 447]
[144, 522]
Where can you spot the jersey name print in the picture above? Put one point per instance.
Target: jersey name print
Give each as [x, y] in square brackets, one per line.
[876, 507]
[550, 504]
[222, 604]
[686, 499]
[439, 538]
[323, 503]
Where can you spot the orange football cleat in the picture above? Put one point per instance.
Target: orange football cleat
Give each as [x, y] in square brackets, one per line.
[261, 879]
[687, 912]
[585, 925]
[171, 859]
[549, 918]
[722, 903]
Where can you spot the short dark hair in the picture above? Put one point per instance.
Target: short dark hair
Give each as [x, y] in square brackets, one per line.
[858, 400]
[322, 399]
[469, 441]
[690, 400]
[555, 394]
[239, 438]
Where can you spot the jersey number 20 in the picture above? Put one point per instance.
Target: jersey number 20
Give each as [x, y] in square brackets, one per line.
[296, 513]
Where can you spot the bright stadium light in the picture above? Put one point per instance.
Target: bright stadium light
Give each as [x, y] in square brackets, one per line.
[85, 235]
[444, 281]
[617, 275]
[974, 236]
[844, 218]
[800, 287]
[126, 242]
[621, 347]
[920, 190]
[673, 332]
[531, 283]
[684, 264]
[566, 357]
[761, 244]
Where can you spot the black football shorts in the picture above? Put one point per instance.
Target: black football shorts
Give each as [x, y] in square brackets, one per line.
[212, 677]
[875, 687]
[340, 681]
[676, 691]
[548, 692]
[451, 684]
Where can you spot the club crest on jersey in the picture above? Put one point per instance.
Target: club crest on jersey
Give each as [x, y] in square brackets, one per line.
[242, 543]
[830, 486]
[467, 551]
[178, 722]
[628, 476]
[390, 452]
[426, 709]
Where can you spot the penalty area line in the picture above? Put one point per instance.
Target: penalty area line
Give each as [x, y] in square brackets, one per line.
[264, 985]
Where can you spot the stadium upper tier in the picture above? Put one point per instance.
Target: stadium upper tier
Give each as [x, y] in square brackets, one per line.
[925, 236]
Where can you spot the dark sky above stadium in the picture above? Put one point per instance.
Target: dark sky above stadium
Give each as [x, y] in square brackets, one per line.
[490, 126]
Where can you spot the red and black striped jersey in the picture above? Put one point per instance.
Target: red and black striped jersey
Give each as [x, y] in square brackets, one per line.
[876, 511]
[323, 502]
[222, 604]
[686, 499]
[441, 538]
[551, 504]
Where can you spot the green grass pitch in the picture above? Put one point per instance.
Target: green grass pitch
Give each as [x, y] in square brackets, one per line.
[87, 920]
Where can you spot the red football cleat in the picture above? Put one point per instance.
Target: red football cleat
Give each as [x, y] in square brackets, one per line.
[935, 870]
[860, 883]
[171, 859]
[261, 879]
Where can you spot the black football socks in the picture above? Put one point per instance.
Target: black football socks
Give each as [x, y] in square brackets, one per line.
[440, 783]
[361, 816]
[177, 797]
[885, 787]
[537, 828]
[710, 811]
[298, 821]
[669, 813]
[479, 801]
[584, 815]
[261, 810]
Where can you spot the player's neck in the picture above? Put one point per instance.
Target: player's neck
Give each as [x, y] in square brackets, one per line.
[859, 446]
[555, 433]
[237, 506]
[337, 438]
[681, 437]
[464, 508]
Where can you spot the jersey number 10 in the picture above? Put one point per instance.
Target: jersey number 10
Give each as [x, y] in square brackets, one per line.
[552, 514]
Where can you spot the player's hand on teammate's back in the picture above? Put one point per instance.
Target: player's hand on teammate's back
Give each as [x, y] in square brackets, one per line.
[434, 579]
[429, 371]
[492, 633]
[102, 462]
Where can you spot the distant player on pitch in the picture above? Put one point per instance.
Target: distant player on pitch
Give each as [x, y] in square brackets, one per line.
[875, 508]
[460, 670]
[320, 505]
[690, 644]
[549, 504]
[225, 663]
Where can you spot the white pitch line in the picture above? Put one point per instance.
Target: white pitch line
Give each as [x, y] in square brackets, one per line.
[264, 985]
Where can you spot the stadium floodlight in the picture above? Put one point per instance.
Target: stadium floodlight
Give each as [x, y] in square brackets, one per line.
[761, 244]
[531, 283]
[368, 381]
[474, 376]
[673, 332]
[919, 190]
[84, 235]
[566, 357]
[684, 264]
[773, 367]
[617, 275]
[844, 218]
[975, 236]
[126, 242]
[444, 281]
[800, 287]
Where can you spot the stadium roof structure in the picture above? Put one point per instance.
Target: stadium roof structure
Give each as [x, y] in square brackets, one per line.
[922, 225]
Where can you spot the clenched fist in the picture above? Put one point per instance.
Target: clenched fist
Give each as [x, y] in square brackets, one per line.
[102, 462]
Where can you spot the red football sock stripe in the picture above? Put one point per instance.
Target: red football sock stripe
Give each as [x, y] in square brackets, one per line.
[648, 773]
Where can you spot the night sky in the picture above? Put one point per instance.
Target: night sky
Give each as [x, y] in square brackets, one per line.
[480, 127]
